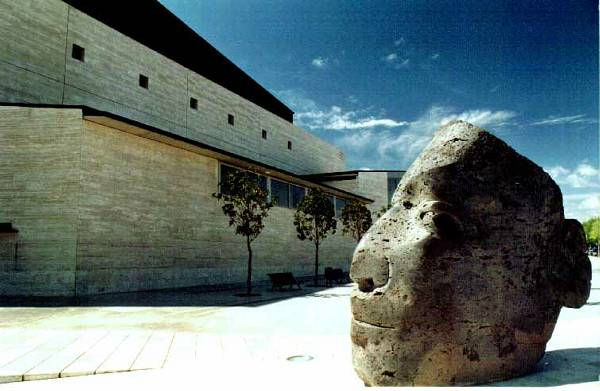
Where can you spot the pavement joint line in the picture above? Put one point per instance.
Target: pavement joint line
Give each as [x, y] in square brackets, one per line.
[168, 351]
[140, 351]
[110, 354]
[78, 357]
[52, 354]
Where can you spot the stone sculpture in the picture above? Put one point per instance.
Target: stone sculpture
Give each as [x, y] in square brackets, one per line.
[462, 280]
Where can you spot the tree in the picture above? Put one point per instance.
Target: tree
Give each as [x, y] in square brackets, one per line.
[314, 219]
[356, 219]
[246, 205]
[592, 230]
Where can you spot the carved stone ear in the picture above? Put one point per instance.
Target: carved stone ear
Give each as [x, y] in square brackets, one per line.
[572, 270]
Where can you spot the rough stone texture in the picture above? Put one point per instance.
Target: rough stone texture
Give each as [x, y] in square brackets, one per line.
[36, 38]
[462, 280]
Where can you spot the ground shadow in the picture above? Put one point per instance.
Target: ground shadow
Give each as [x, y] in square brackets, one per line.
[560, 367]
[181, 297]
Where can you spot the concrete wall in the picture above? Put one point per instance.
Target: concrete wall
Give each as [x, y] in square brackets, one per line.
[101, 210]
[147, 220]
[36, 38]
[372, 185]
[39, 191]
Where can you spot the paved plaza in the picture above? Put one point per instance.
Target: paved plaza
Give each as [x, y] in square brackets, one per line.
[216, 338]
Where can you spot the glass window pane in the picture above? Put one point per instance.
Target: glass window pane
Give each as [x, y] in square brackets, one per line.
[339, 205]
[225, 172]
[332, 203]
[280, 193]
[298, 194]
[262, 182]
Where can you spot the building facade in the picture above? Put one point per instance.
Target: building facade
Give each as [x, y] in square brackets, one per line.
[112, 142]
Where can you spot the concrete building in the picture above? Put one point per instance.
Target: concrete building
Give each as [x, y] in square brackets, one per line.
[114, 135]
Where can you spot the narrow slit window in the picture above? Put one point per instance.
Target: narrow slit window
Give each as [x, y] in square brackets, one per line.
[78, 53]
[144, 81]
[194, 103]
[290, 145]
[230, 119]
[264, 134]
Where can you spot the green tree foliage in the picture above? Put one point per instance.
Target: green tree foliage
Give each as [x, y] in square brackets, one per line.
[314, 220]
[246, 205]
[592, 230]
[356, 219]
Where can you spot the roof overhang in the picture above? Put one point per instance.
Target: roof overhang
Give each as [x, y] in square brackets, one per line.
[152, 133]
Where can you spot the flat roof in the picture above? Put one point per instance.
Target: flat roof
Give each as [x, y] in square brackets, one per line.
[343, 175]
[153, 25]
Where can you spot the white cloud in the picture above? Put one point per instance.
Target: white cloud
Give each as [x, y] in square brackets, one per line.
[337, 119]
[435, 56]
[352, 99]
[319, 62]
[401, 148]
[402, 64]
[391, 57]
[572, 119]
[582, 206]
[399, 41]
[583, 176]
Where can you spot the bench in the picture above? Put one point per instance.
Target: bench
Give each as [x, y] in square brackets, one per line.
[337, 275]
[279, 280]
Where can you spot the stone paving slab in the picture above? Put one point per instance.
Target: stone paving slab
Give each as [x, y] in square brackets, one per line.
[183, 342]
[125, 355]
[56, 363]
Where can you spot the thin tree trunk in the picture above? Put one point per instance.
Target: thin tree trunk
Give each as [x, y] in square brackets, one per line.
[316, 263]
[249, 278]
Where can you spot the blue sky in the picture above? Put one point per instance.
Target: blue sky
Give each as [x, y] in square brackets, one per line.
[377, 78]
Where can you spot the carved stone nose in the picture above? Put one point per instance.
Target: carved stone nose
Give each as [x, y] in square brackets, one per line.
[370, 268]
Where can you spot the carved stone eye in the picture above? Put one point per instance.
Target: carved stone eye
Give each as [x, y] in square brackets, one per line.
[447, 226]
[443, 224]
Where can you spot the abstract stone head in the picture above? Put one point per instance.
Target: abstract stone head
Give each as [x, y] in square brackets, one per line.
[462, 280]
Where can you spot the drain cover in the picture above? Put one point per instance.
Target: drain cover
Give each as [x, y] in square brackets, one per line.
[300, 358]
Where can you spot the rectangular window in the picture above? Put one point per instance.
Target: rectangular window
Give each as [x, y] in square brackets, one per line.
[230, 119]
[144, 81]
[332, 202]
[298, 194]
[280, 193]
[290, 145]
[225, 172]
[262, 182]
[78, 53]
[194, 103]
[264, 134]
[339, 205]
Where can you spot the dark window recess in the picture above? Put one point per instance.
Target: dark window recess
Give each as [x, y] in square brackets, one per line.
[290, 145]
[264, 134]
[280, 193]
[331, 203]
[8, 247]
[262, 182]
[144, 81]
[225, 172]
[78, 53]
[339, 205]
[298, 194]
[194, 103]
[230, 119]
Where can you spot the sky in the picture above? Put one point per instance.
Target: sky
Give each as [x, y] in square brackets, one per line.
[377, 78]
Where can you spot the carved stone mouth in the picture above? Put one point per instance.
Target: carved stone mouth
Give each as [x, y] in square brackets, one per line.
[367, 324]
